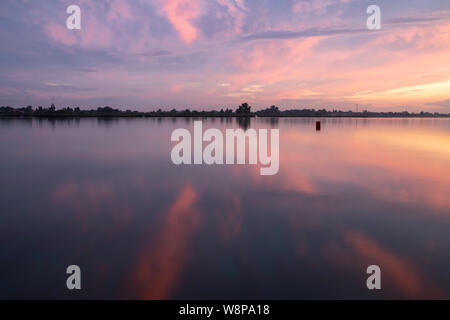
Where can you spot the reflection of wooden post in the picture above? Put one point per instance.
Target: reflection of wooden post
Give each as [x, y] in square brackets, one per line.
[317, 125]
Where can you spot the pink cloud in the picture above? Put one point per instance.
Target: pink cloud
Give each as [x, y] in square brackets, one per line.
[119, 9]
[236, 9]
[175, 88]
[301, 6]
[180, 13]
[373, 70]
[59, 33]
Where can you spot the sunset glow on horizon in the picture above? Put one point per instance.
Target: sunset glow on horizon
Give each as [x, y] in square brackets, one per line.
[212, 54]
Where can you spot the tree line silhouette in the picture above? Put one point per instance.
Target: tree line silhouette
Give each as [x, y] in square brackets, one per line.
[244, 110]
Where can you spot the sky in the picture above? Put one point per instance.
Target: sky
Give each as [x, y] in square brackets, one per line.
[209, 54]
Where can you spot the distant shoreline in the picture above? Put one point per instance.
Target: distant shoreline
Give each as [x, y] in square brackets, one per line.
[107, 116]
[242, 112]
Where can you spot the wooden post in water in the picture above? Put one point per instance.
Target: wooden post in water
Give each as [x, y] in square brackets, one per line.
[318, 125]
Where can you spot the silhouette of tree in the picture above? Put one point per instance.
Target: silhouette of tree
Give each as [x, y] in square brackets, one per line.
[244, 109]
[274, 109]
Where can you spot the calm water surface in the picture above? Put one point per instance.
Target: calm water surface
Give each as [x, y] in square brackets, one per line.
[104, 195]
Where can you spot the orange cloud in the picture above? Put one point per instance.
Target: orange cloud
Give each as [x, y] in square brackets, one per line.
[161, 262]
